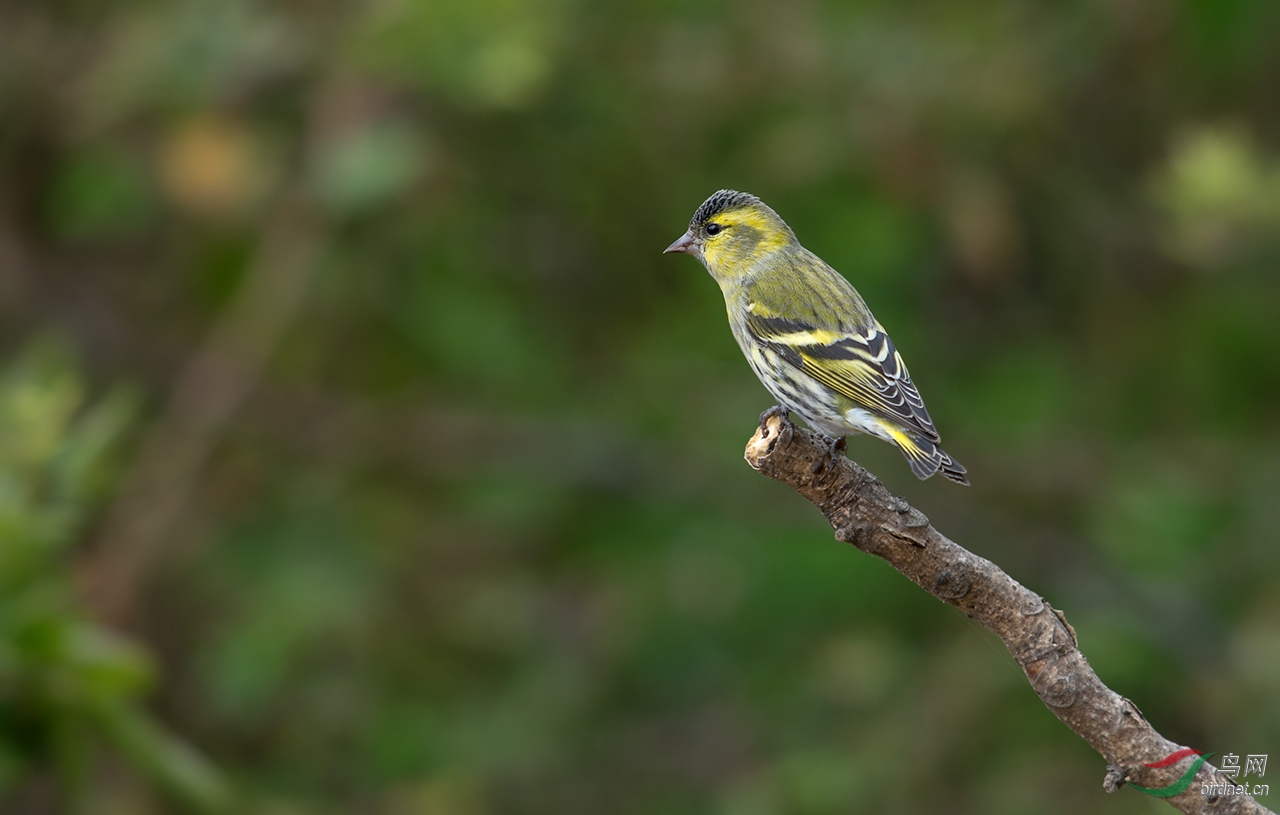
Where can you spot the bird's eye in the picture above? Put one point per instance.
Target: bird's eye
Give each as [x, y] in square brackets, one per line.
[714, 228]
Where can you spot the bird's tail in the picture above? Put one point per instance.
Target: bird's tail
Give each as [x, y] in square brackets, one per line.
[927, 458]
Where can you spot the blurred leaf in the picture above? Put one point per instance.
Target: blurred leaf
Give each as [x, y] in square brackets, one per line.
[109, 664]
[1223, 196]
[213, 165]
[179, 769]
[494, 53]
[64, 679]
[100, 193]
[367, 166]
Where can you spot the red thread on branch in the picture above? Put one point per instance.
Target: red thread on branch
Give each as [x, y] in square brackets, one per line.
[1173, 758]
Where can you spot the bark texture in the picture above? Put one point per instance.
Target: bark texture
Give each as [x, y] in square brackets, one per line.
[865, 514]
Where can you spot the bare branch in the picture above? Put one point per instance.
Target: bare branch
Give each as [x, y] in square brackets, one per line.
[865, 514]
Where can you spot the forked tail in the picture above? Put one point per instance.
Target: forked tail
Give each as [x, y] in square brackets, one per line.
[927, 458]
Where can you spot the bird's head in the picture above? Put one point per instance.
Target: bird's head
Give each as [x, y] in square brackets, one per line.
[730, 231]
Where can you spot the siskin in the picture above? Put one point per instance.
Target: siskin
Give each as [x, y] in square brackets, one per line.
[808, 334]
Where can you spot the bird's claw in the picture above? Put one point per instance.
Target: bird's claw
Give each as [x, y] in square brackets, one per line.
[834, 449]
[776, 410]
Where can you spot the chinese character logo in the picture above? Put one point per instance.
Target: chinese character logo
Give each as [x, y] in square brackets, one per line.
[1255, 765]
[1230, 765]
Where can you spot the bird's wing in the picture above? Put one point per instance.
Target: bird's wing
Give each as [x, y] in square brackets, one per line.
[850, 353]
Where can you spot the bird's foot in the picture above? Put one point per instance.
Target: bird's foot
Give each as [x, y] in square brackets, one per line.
[777, 410]
[834, 448]
[780, 433]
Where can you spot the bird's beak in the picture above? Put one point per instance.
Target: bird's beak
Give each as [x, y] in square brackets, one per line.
[683, 244]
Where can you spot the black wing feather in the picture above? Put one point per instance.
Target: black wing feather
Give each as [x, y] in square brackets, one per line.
[865, 368]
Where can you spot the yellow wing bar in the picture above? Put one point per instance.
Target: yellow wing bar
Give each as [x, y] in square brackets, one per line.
[865, 367]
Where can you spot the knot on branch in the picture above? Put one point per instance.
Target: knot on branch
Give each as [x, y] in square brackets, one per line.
[1114, 779]
[951, 585]
[1060, 691]
[1032, 605]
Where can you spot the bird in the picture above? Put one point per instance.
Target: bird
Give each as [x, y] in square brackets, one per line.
[808, 335]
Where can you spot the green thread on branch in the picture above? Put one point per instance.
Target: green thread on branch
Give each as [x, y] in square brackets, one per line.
[1179, 786]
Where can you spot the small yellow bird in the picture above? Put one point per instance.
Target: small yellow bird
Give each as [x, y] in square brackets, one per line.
[808, 334]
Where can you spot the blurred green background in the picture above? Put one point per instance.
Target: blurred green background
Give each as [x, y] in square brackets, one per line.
[360, 452]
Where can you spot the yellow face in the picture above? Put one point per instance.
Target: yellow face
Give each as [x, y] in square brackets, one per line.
[730, 232]
[734, 238]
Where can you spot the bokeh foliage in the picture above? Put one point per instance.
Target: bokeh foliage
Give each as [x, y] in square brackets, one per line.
[68, 686]
[479, 539]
